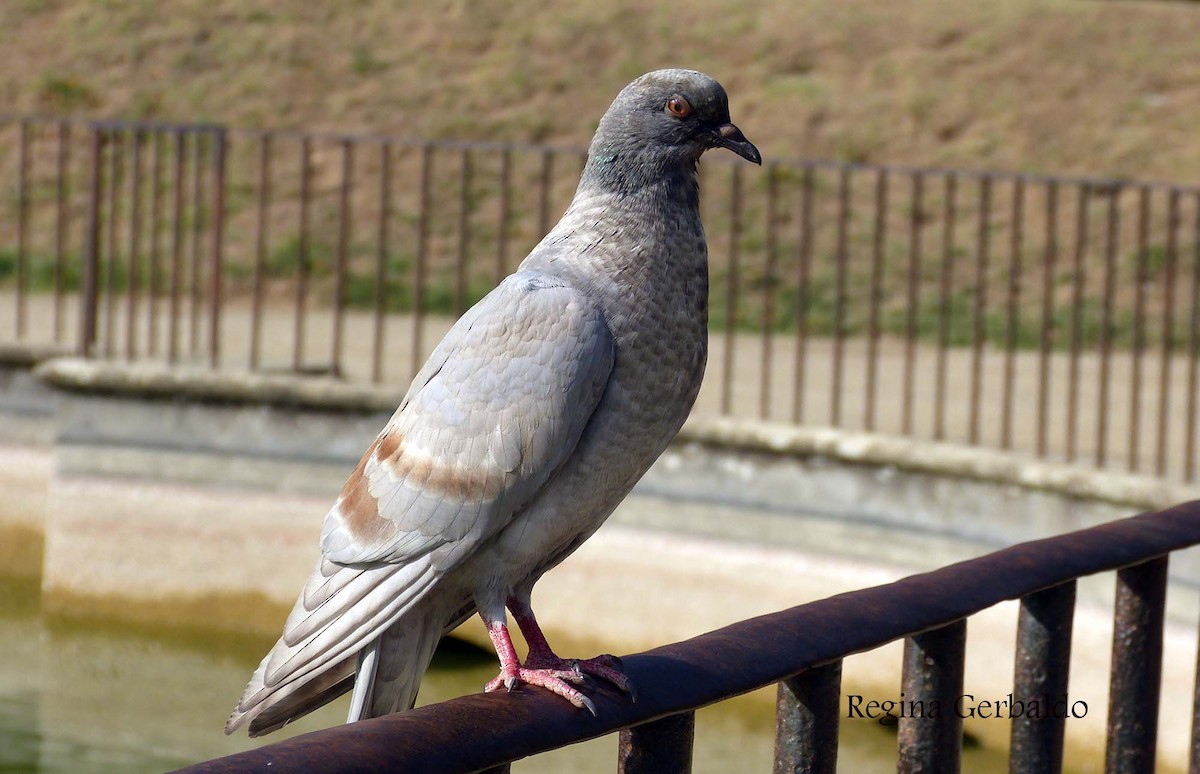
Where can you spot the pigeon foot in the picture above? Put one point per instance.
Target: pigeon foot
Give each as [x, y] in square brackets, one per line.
[603, 667]
[560, 682]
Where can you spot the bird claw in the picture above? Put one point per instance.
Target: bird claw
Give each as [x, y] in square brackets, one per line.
[558, 681]
[603, 667]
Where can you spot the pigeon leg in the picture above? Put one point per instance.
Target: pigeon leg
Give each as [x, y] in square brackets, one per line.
[605, 667]
[512, 674]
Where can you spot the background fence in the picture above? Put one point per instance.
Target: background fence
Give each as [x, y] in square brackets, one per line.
[1055, 316]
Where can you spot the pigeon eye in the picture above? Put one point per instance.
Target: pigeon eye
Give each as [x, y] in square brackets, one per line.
[679, 107]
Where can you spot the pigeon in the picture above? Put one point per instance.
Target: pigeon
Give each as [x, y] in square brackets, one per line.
[531, 421]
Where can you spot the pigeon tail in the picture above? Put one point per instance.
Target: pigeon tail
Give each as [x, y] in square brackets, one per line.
[314, 661]
[390, 669]
[294, 701]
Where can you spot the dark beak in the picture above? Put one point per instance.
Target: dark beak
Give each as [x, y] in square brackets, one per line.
[729, 136]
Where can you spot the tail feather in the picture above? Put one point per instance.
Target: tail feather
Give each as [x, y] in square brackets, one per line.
[295, 701]
[402, 654]
[298, 676]
[364, 682]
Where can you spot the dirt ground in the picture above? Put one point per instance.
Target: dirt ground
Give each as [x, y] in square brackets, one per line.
[1055, 86]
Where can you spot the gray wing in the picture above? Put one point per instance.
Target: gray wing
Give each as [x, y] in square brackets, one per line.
[500, 405]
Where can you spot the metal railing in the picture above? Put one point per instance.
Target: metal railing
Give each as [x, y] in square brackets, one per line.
[1051, 315]
[802, 649]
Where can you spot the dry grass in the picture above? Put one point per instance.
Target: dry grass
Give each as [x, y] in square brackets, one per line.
[1110, 88]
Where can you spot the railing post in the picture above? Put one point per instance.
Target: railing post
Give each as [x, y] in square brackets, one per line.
[218, 243]
[806, 721]
[22, 257]
[1194, 762]
[89, 301]
[1042, 668]
[341, 258]
[1136, 667]
[930, 726]
[662, 746]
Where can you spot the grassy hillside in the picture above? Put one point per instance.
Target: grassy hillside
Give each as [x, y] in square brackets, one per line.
[1048, 85]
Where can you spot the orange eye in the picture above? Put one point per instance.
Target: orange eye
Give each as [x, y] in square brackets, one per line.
[679, 107]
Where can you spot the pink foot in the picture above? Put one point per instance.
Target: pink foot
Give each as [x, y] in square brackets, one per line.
[603, 667]
[558, 681]
[543, 668]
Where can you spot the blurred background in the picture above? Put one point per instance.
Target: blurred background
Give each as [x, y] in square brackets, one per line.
[956, 309]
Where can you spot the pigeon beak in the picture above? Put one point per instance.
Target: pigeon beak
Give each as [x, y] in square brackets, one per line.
[729, 136]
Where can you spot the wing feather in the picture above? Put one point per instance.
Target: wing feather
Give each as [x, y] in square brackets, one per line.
[500, 405]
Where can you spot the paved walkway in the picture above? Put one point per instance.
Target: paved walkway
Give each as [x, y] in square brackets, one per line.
[748, 393]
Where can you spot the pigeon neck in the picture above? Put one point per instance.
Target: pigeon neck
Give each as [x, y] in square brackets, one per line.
[627, 172]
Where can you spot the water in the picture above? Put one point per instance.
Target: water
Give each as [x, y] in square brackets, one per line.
[94, 697]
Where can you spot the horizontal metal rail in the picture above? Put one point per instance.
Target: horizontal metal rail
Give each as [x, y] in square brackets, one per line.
[483, 731]
[1101, 183]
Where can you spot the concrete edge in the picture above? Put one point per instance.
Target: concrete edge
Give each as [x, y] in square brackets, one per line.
[29, 355]
[167, 382]
[163, 381]
[943, 459]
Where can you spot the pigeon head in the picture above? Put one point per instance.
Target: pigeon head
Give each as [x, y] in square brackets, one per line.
[665, 119]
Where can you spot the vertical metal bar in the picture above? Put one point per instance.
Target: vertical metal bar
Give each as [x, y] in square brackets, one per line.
[464, 233]
[114, 217]
[62, 195]
[422, 248]
[933, 672]
[1194, 760]
[1106, 323]
[1139, 322]
[981, 292]
[915, 226]
[1042, 669]
[261, 245]
[732, 288]
[341, 258]
[1015, 278]
[217, 249]
[1137, 667]
[22, 257]
[180, 176]
[198, 224]
[89, 308]
[769, 281]
[803, 265]
[875, 299]
[841, 259]
[1168, 331]
[1046, 341]
[502, 225]
[155, 258]
[381, 257]
[1193, 345]
[806, 721]
[302, 258]
[134, 258]
[946, 286]
[544, 185]
[662, 746]
[1078, 283]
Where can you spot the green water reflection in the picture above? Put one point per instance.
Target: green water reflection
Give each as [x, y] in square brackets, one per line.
[97, 698]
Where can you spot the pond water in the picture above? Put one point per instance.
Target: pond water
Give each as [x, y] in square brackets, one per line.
[94, 697]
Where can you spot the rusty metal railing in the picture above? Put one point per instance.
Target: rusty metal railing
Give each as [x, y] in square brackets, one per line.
[1051, 315]
[802, 649]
